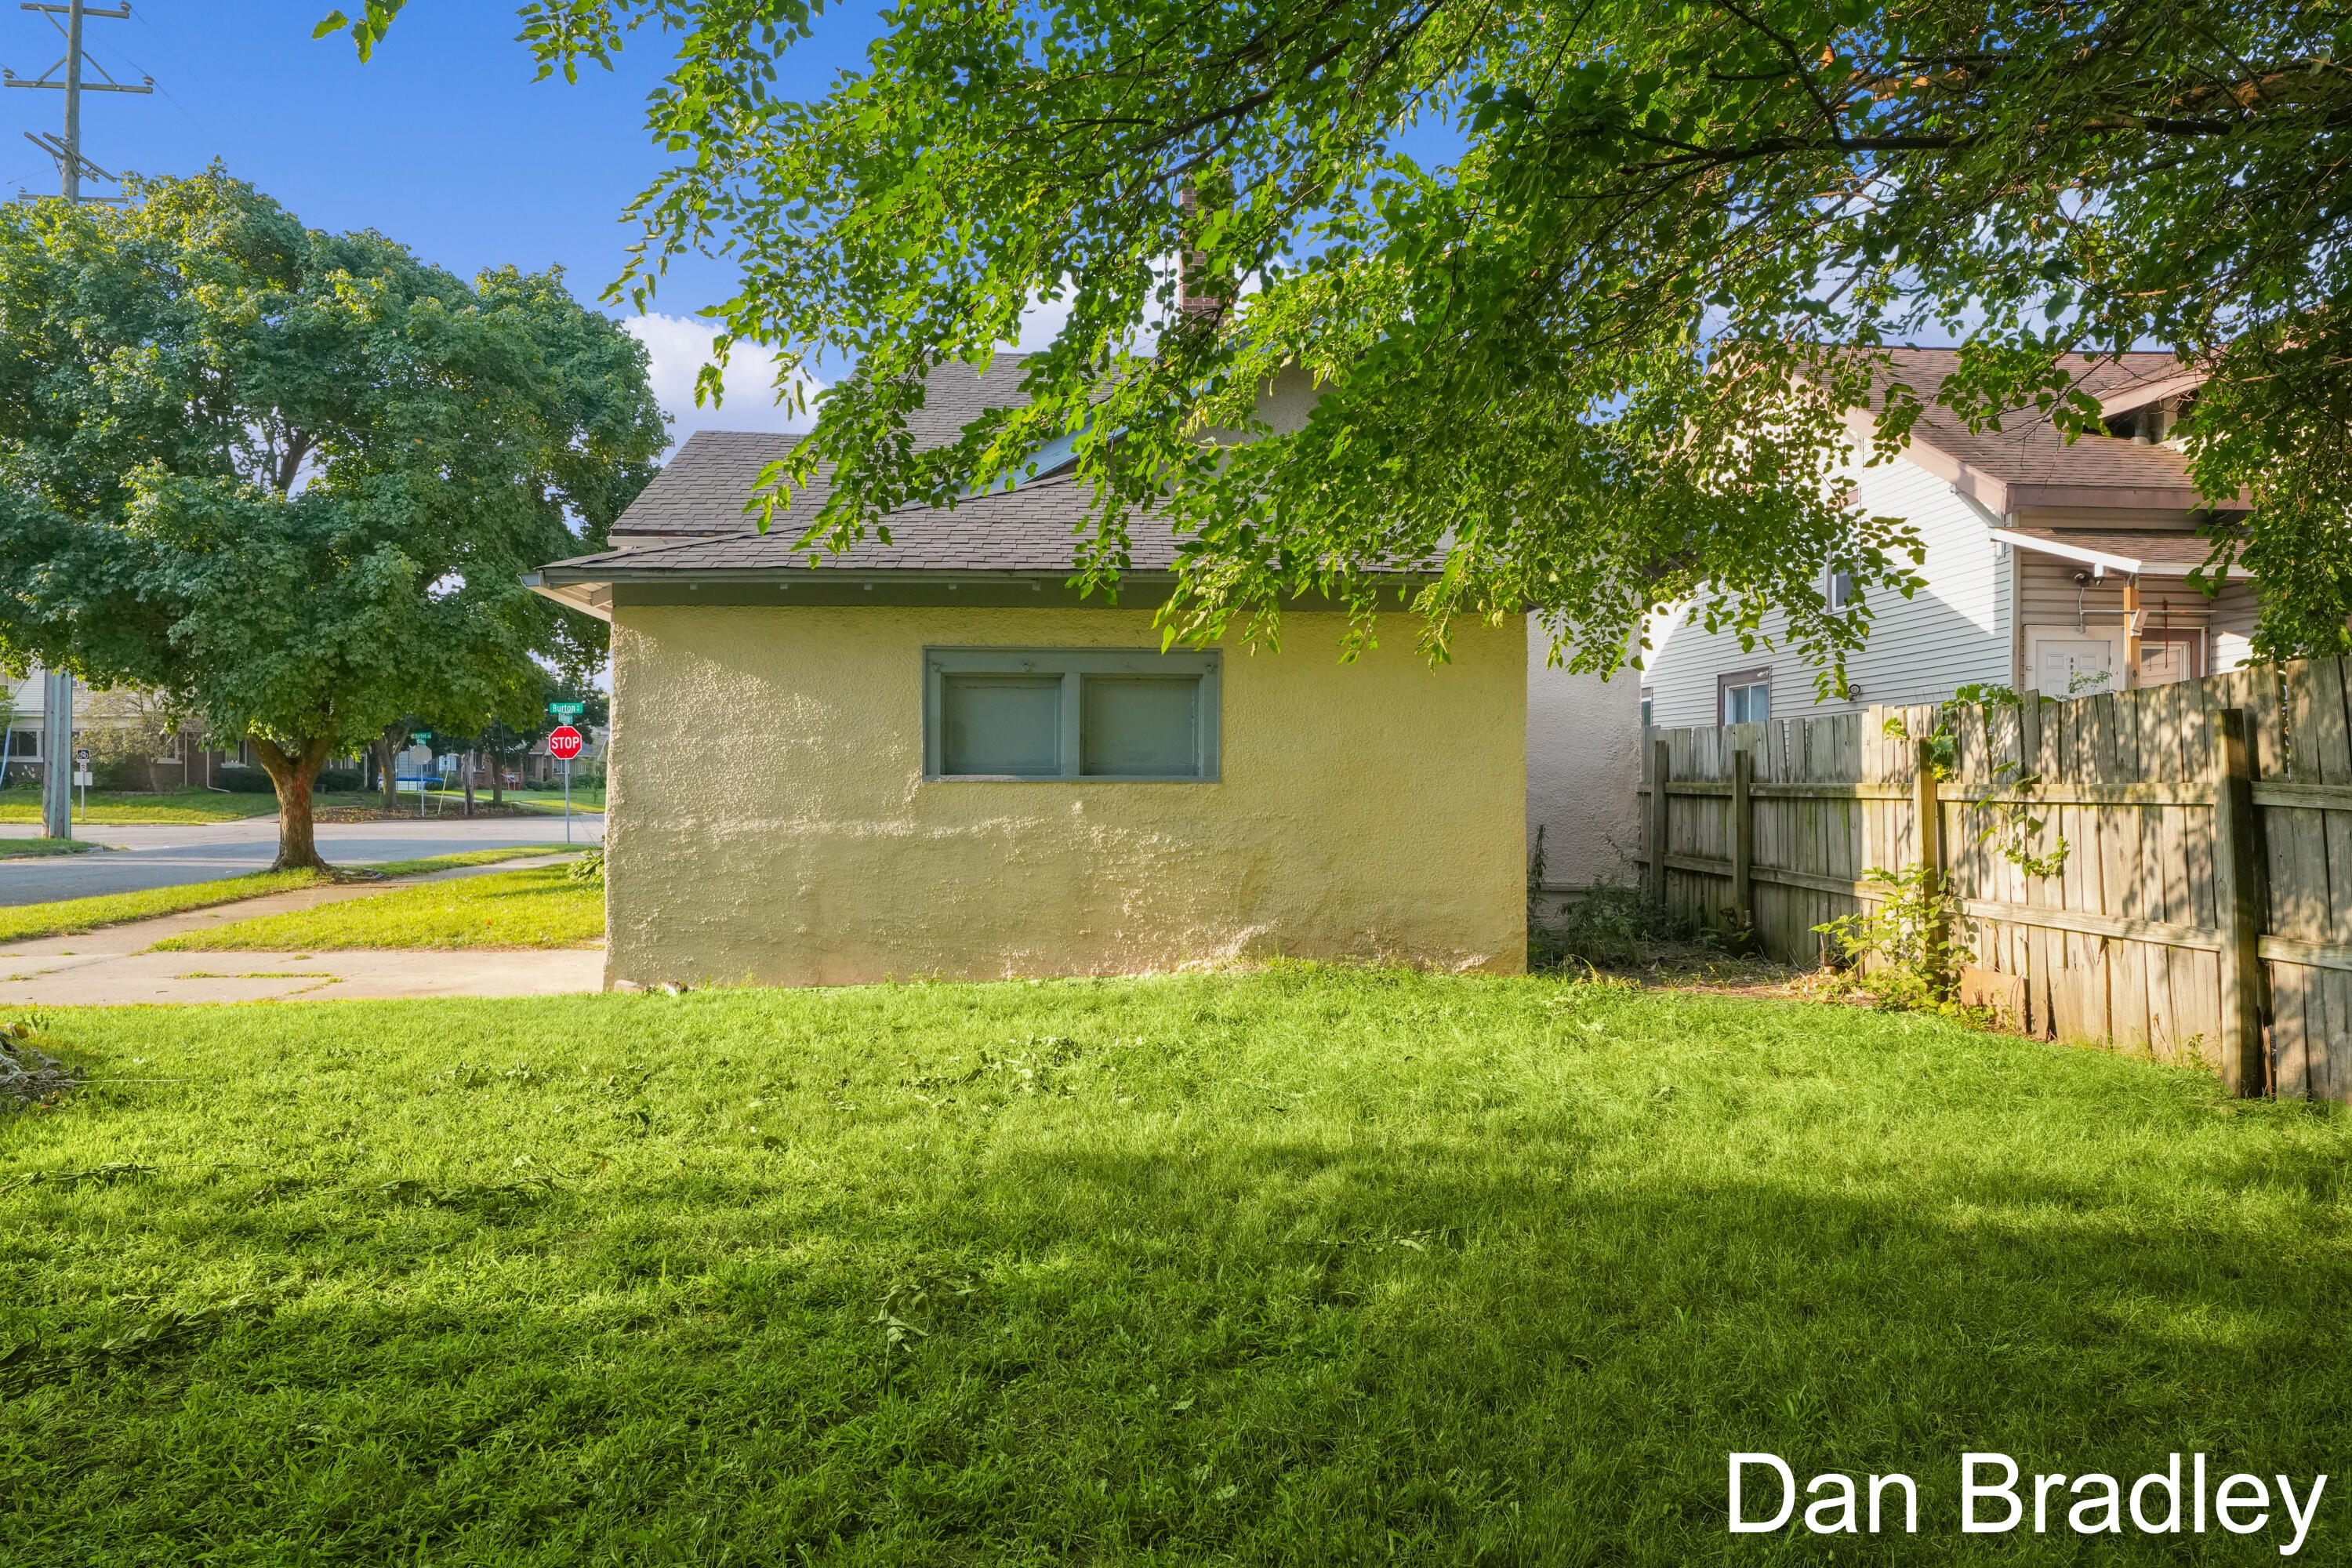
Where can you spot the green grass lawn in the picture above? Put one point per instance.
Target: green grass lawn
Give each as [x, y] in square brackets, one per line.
[584, 797]
[35, 848]
[1299, 1268]
[542, 907]
[66, 917]
[184, 806]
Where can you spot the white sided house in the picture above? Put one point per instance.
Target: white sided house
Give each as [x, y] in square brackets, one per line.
[2052, 566]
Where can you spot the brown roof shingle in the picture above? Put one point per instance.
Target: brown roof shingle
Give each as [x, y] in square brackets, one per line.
[2027, 461]
[705, 485]
[1034, 529]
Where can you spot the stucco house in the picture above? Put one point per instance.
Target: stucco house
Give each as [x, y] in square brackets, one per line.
[934, 758]
[2053, 566]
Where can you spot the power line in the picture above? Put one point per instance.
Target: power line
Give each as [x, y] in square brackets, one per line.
[67, 150]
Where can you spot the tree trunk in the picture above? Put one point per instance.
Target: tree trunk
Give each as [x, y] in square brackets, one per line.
[467, 764]
[497, 779]
[386, 751]
[294, 776]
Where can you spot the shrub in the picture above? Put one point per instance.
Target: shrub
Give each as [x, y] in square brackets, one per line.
[1912, 932]
[340, 781]
[589, 867]
[243, 779]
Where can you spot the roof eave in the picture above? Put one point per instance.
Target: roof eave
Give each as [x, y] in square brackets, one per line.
[589, 598]
[2107, 561]
[609, 573]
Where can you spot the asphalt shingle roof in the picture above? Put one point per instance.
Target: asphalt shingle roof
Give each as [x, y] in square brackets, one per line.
[703, 487]
[2028, 449]
[1033, 529]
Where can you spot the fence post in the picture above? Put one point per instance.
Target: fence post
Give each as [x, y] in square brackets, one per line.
[1743, 838]
[1661, 768]
[1927, 809]
[2238, 900]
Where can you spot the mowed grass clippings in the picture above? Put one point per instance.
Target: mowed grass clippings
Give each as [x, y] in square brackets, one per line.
[540, 907]
[1308, 1267]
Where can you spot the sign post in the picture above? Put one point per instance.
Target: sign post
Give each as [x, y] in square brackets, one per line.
[81, 777]
[422, 738]
[564, 741]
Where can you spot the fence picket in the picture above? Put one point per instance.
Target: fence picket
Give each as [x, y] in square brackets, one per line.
[2134, 860]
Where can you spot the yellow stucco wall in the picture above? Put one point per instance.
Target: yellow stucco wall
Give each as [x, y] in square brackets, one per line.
[770, 822]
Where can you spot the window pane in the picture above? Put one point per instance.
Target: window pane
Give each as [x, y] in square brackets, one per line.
[1000, 724]
[1131, 725]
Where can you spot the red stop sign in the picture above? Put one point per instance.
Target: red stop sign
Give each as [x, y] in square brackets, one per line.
[564, 743]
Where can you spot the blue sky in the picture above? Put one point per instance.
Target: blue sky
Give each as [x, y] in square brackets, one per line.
[442, 141]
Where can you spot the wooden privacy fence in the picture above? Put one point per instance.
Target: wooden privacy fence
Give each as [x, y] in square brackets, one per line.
[2203, 909]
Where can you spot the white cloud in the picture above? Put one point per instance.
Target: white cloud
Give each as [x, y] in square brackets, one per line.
[1039, 322]
[679, 347]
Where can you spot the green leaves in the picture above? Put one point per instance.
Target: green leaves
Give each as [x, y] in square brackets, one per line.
[1598, 347]
[375, 20]
[291, 477]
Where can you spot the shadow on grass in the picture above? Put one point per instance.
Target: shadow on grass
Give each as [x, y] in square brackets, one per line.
[1187, 1311]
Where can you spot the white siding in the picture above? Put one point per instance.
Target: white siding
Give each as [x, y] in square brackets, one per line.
[1584, 764]
[1953, 631]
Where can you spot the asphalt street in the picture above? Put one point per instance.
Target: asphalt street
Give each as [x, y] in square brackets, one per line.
[164, 857]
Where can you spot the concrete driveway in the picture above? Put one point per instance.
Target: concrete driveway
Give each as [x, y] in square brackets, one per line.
[166, 857]
[110, 968]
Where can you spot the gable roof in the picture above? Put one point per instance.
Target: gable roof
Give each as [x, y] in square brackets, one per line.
[1032, 530]
[702, 490]
[2027, 463]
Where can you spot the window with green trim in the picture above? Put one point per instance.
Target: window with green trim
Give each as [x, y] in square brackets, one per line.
[1069, 714]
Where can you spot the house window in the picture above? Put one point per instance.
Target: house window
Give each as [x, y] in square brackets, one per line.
[23, 745]
[1069, 714]
[1649, 700]
[1745, 696]
[1841, 589]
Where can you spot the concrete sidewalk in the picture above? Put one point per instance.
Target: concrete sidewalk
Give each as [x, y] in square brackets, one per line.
[109, 967]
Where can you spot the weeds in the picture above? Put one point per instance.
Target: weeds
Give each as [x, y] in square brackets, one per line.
[1909, 932]
[1606, 927]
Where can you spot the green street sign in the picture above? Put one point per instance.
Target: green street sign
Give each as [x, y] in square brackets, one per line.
[567, 709]
[421, 736]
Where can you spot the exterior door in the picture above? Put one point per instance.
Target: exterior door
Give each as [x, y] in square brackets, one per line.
[2065, 663]
[2167, 657]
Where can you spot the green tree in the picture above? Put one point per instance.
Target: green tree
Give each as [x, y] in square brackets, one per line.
[1523, 348]
[290, 478]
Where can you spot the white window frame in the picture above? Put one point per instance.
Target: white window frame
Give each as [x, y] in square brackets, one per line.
[1739, 680]
[1073, 665]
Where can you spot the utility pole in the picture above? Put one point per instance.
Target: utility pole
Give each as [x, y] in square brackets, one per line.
[56, 754]
[66, 151]
[56, 711]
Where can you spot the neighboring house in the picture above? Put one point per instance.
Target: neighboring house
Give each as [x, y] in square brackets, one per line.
[932, 758]
[2054, 566]
[123, 728]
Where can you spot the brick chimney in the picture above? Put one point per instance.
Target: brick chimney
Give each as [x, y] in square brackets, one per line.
[1196, 293]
